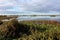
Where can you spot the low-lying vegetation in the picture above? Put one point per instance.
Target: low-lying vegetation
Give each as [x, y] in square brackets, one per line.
[7, 17]
[30, 30]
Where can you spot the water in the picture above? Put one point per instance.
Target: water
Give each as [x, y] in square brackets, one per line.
[22, 18]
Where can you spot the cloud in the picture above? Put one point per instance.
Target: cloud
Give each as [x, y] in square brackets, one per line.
[6, 4]
[40, 5]
[30, 5]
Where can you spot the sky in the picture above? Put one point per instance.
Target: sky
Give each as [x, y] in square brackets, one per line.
[35, 6]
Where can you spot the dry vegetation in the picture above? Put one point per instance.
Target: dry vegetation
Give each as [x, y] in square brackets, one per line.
[7, 17]
[30, 30]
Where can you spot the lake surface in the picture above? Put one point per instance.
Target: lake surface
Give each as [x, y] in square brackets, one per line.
[22, 18]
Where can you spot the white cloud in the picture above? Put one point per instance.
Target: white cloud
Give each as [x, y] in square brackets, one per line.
[31, 5]
[6, 4]
[39, 5]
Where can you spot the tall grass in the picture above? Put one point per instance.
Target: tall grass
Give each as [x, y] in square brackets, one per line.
[30, 30]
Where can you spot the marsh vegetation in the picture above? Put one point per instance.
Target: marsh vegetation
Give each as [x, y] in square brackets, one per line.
[30, 30]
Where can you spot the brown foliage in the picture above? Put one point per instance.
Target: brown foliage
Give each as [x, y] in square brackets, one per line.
[14, 29]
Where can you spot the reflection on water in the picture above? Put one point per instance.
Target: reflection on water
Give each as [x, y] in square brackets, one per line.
[21, 18]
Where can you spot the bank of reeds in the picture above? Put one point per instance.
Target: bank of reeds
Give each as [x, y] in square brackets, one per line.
[30, 30]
